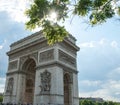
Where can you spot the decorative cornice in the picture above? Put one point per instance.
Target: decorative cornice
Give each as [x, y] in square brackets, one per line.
[72, 44]
[15, 72]
[26, 46]
[36, 38]
[49, 94]
[26, 38]
[6, 94]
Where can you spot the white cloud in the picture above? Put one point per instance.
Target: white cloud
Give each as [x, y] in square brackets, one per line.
[1, 46]
[101, 43]
[2, 79]
[2, 84]
[114, 44]
[108, 90]
[15, 8]
[90, 83]
[87, 44]
[104, 56]
[92, 44]
[101, 93]
[114, 74]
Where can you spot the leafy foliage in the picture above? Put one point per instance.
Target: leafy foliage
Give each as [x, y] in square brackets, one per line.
[53, 32]
[86, 102]
[89, 102]
[98, 12]
[1, 98]
[83, 7]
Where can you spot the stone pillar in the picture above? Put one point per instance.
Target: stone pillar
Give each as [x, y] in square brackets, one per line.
[21, 87]
[55, 94]
[75, 89]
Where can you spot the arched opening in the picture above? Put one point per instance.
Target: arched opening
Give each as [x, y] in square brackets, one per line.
[29, 68]
[67, 89]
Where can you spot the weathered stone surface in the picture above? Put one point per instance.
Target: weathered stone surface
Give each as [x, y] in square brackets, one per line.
[67, 58]
[10, 86]
[26, 50]
[24, 58]
[13, 65]
[42, 74]
[45, 82]
[46, 55]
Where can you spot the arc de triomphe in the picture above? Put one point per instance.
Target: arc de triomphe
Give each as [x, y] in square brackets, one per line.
[42, 74]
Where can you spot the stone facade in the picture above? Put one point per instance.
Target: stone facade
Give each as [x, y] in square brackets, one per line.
[42, 74]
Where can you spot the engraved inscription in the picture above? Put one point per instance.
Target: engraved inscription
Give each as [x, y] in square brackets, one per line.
[45, 82]
[66, 58]
[47, 55]
[13, 65]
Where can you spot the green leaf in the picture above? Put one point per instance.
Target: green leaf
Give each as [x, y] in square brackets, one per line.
[99, 3]
[97, 10]
[83, 7]
[53, 32]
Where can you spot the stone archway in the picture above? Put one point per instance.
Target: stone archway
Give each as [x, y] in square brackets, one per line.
[67, 90]
[29, 68]
[59, 85]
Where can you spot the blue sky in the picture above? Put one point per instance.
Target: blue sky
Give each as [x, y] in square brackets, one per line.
[98, 59]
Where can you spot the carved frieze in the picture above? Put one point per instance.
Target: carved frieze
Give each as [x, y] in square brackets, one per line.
[45, 82]
[68, 48]
[67, 58]
[13, 65]
[28, 50]
[10, 86]
[46, 56]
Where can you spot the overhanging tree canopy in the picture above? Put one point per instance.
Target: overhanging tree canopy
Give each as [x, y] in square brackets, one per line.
[40, 13]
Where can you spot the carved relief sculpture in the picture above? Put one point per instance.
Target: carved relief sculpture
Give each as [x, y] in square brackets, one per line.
[10, 85]
[13, 65]
[47, 55]
[66, 58]
[45, 82]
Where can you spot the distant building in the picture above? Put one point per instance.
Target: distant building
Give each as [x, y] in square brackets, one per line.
[92, 99]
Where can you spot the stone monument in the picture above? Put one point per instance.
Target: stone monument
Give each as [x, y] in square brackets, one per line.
[41, 74]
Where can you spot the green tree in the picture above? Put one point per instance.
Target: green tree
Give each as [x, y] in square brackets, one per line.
[105, 103]
[86, 102]
[111, 103]
[97, 11]
[98, 103]
[1, 98]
